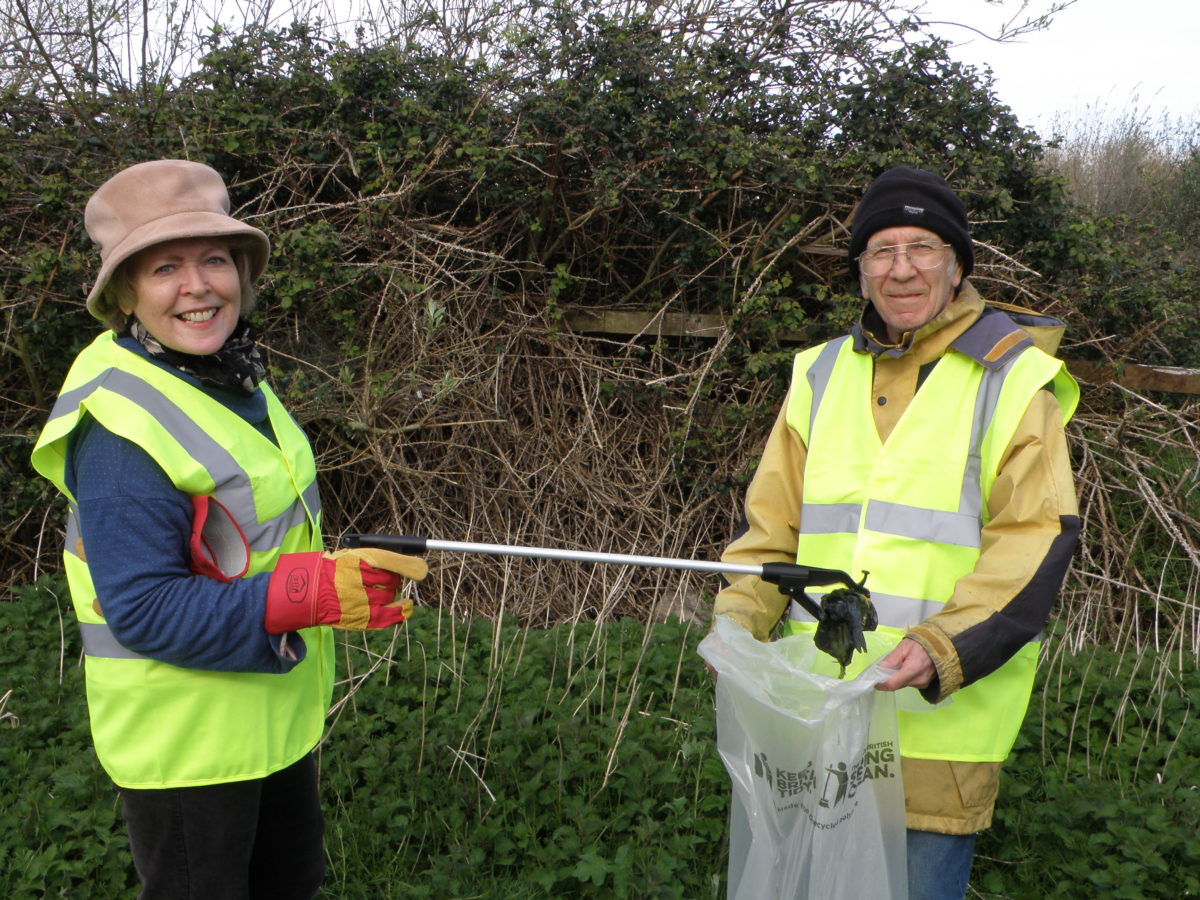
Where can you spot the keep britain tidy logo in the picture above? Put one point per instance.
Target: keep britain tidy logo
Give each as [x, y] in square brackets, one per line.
[831, 788]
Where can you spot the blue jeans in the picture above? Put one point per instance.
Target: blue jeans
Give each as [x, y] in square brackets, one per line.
[237, 841]
[939, 865]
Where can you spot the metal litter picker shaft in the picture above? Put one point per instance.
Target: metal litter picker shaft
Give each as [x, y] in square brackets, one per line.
[845, 614]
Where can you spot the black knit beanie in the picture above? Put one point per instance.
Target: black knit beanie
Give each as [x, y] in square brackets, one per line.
[904, 196]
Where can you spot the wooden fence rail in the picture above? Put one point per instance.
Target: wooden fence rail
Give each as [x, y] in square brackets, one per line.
[640, 323]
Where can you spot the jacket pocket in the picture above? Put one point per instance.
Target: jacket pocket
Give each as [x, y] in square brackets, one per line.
[978, 782]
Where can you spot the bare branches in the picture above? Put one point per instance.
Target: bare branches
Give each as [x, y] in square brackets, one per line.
[435, 227]
[1010, 20]
[1139, 475]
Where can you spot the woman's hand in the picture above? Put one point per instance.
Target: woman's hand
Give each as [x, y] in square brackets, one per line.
[349, 589]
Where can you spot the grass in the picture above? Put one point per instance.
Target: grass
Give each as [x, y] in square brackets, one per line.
[1130, 162]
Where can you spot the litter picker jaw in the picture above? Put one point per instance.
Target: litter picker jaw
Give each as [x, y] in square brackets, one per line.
[792, 579]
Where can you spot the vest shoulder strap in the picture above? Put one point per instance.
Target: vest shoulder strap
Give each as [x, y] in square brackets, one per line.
[993, 340]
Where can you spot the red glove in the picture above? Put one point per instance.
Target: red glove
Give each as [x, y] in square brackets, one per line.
[350, 589]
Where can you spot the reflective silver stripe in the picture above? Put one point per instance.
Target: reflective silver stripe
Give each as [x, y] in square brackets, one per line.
[73, 535]
[819, 374]
[229, 477]
[97, 637]
[797, 613]
[69, 402]
[986, 399]
[98, 641]
[893, 611]
[899, 612]
[312, 498]
[829, 518]
[919, 523]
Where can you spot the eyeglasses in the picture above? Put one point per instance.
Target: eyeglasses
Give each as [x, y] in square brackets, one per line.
[922, 254]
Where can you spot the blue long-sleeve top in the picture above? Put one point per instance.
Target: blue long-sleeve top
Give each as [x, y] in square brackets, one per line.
[136, 525]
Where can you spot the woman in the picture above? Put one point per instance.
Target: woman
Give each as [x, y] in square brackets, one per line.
[193, 550]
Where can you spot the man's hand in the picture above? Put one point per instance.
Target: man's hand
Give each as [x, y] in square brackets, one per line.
[914, 666]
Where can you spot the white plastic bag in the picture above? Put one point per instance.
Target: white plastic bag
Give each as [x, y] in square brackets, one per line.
[817, 811]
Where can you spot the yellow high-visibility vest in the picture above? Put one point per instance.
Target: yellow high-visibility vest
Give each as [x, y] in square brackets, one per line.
[156, 725]
[910, 511]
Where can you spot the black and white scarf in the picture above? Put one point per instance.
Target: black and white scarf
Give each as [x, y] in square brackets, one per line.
[236, 367]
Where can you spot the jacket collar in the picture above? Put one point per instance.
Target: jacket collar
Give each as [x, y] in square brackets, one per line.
[968, 326]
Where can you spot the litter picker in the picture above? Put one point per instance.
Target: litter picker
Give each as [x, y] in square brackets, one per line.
[842, 615]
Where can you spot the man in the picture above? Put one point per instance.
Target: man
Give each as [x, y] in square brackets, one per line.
[928, 449]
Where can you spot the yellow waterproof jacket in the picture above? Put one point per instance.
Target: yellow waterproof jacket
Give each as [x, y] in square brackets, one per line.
[156, 725]
[1031, 526]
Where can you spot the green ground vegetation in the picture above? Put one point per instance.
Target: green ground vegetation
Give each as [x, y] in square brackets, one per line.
[470, 759]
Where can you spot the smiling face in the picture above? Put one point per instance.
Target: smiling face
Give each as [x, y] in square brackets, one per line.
[907, 297]
[187, 292]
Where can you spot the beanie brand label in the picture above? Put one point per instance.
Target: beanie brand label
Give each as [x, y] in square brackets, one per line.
[914, 210]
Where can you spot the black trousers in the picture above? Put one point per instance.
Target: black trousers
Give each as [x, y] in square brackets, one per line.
[245, 840]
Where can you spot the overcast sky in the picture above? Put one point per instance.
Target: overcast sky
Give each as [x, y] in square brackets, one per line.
[1099, 59]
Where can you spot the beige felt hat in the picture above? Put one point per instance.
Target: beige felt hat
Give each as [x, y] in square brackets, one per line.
[158, 201]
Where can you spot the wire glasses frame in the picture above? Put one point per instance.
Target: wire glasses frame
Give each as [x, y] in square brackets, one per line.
[921, 254]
